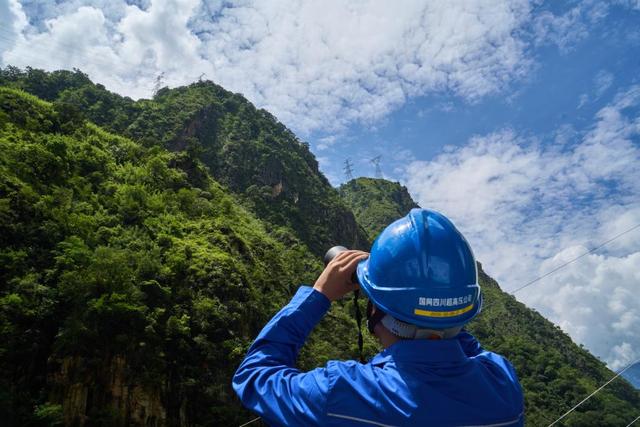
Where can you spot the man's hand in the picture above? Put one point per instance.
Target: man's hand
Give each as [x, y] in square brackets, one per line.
[335, 281]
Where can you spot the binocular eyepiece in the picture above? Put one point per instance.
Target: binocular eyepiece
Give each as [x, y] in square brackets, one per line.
[332, 253]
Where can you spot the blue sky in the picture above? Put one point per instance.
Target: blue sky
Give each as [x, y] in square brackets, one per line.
[518, 119]
[565, 88]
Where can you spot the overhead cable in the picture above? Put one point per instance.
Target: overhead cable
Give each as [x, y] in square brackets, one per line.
[595, 392]
[633, 422]
[575, 259]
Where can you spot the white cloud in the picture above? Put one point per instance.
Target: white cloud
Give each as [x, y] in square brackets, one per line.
[634, 4]
[318, 66]
[315, 65]
[161, 33]
[597, 301]
[341, 62]
[11, 12]
[603, 81]
[566, 29]
[562, 30]
[326, 142]
[126, 55]
[582, 101]
[40, 11]
[522, 203]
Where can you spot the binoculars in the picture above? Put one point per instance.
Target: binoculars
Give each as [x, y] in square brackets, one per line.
[332, 253]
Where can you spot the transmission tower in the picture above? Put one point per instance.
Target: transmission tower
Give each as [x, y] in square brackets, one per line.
[158, 84]
[348, 169]
[376, 162]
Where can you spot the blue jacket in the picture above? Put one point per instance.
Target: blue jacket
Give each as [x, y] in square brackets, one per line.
[450, 382]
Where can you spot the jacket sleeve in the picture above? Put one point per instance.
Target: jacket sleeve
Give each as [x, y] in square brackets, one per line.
[267, 381]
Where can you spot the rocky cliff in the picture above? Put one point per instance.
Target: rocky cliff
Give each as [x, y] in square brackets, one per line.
[140, 257]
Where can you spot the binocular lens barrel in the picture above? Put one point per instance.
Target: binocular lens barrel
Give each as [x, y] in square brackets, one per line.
[332, 253]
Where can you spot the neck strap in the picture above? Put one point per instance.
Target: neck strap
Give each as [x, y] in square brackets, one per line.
[358, 314]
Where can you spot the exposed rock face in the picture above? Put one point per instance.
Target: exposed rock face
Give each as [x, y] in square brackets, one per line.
[277, 189]
[227, 273]
[255, 156]
[84, 391]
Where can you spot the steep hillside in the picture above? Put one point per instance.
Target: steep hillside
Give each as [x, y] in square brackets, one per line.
[140, 258]
[376, 202]
[245, 149]
[554, 371]
[132, 282]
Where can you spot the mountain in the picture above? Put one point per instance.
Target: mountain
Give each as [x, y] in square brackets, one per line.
[245, 149]
[554, 372]
[132, 281]
[376, 202]
[143, 244]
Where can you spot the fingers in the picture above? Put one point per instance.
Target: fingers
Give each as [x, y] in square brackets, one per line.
[349, 263]
[351, 267]
[344, 258]
[340, 256]
[336, 279]
[353, 261]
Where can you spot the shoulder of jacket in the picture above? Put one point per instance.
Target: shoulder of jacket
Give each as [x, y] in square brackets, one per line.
[350, 370]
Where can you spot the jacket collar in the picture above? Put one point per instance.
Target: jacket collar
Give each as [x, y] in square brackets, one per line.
[422, 351]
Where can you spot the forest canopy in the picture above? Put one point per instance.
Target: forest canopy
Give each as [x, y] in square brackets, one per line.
[143, 244]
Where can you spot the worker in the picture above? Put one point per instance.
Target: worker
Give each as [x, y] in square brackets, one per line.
[422, 284]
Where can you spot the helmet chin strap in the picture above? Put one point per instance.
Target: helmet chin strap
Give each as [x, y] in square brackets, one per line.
[409, 331]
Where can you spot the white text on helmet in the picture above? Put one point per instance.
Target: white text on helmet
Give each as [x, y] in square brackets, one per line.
[444, 302]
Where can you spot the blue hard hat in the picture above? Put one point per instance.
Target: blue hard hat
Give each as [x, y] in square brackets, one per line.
[421, 270]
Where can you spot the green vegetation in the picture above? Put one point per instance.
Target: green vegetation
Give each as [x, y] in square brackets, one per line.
[245, 149]
[115, 254]
[554, 372]
[376, 202]
[143, 244]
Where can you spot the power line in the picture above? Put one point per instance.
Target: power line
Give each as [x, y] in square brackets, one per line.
[249, 422]
[548, 273]
[595, 392]
[575, 259]
[537, 279]
[378, 172]
[633, 422]
[617, 236]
